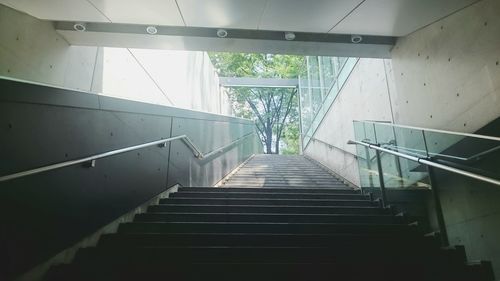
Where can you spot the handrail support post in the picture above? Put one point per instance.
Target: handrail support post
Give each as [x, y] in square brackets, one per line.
[438, 208]
[90, 164]
[381, 179]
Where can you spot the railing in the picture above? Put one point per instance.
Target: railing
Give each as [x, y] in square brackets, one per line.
[334, 147]
[458, 150]
[90, 161]
[400, 152]
[427, 162]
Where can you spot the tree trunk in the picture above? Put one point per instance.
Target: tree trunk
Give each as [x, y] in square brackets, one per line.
[269, 139]
[277, 149]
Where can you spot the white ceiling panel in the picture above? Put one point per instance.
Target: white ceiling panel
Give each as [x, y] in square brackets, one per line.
[305, 16]
[70, 10]
[397, 17]
[222, 13]
[160, 12]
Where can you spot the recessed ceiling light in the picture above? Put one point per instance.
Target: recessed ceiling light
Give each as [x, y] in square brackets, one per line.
[151, 30]
[289, 36]
[221, 33]
[356, 39]
[80, 26]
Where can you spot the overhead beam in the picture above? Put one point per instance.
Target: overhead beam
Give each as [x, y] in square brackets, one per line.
[258, 82]
[237, 40]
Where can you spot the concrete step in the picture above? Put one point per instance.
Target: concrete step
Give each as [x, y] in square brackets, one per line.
[280, 202]
[281, 271]
[269, 217]
[283, 185]
[235, 227]
[302, 189]
[394, 250]
[283, 182]
[347, 242]
[291, 175]
[277, 195]
[267, 209]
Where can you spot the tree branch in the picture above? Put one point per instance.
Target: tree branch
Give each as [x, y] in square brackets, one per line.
[289, 107]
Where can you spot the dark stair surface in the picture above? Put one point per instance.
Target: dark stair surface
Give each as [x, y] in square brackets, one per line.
[276, 218]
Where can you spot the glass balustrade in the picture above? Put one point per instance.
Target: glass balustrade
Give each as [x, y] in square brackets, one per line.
[474, 153]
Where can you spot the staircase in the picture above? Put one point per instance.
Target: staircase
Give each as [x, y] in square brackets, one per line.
[276, 218]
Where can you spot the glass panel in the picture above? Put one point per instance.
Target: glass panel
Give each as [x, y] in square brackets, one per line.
[367, 161]
[319, 88]
[405, 173]
[397, 172]
[468, 153]
[472, 153]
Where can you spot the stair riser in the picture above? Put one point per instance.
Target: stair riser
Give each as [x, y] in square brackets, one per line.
[265, 218]
[281, 185]
[267, 209]
[346, 242]
[261, 228]
[129, 255]
[204, 201]
[268, 195]
[271, 190]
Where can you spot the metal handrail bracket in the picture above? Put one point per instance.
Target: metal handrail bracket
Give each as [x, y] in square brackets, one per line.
[90, 160]
[336, 147]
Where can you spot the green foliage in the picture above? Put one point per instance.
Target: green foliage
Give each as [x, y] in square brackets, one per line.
[291, 140]
[275, 110]
[257, 65]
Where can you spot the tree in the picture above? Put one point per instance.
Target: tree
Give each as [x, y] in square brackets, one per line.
[275, 110]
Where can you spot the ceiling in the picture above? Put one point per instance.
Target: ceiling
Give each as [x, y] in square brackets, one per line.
[366, 17]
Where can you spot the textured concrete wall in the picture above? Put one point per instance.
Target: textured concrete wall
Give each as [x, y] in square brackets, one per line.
[448, 77]
[366, 95]
[30, 49]
[448, 74]
[41, 125]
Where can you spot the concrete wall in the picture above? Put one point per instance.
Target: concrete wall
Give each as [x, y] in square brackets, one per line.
[446, 76]
[45, 213]
[31, 50]
[366, 95]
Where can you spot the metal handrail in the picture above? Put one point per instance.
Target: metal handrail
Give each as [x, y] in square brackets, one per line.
[333, 146]
[425, 161]
[91, 159]
[474, 157]
[434, 130]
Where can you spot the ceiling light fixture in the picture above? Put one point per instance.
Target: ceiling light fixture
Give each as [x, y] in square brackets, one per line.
[356, 39]
[80, 26]
[151, 30]
[289, 36]
[222, 33]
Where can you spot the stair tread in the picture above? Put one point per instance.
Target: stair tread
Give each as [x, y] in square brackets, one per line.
[277, 218]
